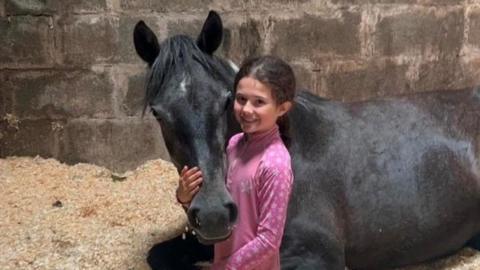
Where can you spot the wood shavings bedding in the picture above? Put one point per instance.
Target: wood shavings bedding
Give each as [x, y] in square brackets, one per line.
[55, 216]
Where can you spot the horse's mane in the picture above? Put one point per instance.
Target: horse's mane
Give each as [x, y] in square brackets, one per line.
[175, 57]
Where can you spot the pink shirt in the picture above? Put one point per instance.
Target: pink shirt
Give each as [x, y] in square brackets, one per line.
[259, 179]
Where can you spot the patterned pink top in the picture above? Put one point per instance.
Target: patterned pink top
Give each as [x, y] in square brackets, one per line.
[259, 179]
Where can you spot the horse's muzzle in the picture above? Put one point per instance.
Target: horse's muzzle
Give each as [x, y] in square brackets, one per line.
[212, 224]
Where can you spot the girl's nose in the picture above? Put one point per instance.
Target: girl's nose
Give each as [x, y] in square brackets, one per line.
[247, 108]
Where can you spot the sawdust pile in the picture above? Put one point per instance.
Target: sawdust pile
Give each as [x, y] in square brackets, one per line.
[465, 259]
[55, 216]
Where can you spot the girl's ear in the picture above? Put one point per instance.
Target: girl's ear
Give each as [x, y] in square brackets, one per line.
[284, 108]
[146, 43]
[211, 35]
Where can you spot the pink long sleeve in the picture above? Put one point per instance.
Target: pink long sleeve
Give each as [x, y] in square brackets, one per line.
[260, 180]
[274, 193]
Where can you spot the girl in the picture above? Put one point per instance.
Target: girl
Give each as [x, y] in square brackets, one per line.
[259, 176]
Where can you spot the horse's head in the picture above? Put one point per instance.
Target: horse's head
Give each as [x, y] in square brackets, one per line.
[188, 91]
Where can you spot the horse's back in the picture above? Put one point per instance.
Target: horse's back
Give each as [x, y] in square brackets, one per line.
[422, 120]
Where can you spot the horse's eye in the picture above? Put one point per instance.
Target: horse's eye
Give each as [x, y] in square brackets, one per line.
[228, 101]
[157, 116]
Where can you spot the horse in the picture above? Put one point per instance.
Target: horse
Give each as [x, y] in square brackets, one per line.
[377, 184]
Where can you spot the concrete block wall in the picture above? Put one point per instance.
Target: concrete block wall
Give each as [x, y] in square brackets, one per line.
[71, 85]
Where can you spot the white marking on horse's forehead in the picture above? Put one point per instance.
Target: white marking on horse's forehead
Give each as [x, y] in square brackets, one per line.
[233, 65]
[183, 85]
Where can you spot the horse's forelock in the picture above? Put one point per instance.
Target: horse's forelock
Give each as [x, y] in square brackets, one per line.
[177, 57]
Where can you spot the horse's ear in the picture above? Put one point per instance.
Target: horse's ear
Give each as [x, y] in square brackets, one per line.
[212, 31]
[146, 43]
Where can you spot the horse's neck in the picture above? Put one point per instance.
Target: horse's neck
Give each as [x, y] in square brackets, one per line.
[232, 125]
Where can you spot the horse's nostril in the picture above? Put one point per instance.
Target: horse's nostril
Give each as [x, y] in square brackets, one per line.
[197, 222]
[232, 211]
[193, 217]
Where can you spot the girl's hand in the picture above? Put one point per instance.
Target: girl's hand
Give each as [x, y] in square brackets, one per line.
[189, 184]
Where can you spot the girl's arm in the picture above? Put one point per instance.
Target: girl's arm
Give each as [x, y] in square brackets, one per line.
[274, 193]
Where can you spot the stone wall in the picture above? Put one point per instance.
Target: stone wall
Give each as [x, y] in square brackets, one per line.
[72, 86]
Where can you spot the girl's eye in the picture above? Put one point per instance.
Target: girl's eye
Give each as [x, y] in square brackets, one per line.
[259, 102]
[241, 99]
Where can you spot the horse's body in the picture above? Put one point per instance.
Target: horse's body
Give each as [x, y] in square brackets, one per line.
[378, 184]
[389, 183]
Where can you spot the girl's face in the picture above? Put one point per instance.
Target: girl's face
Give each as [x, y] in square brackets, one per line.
[255, 108]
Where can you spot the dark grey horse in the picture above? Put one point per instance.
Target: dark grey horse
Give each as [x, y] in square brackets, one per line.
[378, 184]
